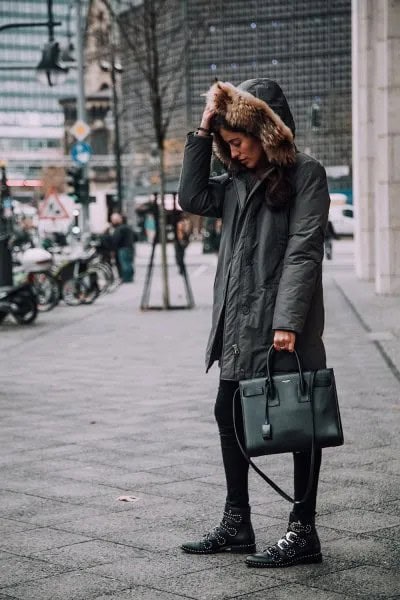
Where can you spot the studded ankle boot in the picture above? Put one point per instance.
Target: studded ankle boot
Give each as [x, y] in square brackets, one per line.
[234, 534]
[300, 545]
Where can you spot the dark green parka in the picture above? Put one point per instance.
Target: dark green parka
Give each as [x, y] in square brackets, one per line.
[269, 273]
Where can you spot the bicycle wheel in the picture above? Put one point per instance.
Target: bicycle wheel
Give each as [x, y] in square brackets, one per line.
[26, 311]
[89, 287]
[47, 290]
[103, 276]
[116, 279]
[71, 292]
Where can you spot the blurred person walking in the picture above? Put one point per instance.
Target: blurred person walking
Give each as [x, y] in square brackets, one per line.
[123, 240]
[274, 203]
[183, 230]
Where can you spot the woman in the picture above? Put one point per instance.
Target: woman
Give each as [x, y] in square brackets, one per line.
[273, 202]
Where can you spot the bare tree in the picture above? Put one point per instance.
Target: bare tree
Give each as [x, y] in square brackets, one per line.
[145, 29]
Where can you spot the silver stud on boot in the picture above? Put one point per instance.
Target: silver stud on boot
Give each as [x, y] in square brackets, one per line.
[299, 545]
[234, 534]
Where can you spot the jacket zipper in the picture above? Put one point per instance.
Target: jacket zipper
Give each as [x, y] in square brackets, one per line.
[235, 347]
[227, 280]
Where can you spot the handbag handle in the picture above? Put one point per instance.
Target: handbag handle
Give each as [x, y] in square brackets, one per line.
[302, 383]
[274, 486]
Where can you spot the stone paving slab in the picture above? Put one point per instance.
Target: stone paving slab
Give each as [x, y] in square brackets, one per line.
[78, 430]
[358, 521]
[17, 569]
[34, 511]
[76, 585]
[199, 584]
[143, 593]
[88, 554]
[361, 581]
[35, 540]
[353, 496]
[149, 568]
[146, 513]
[297, 591]
[388, 534]
[366, 550]
[8, 526]
[58, 488]
[173, 566]
[380, 314]
[391, 508]
[348, 456]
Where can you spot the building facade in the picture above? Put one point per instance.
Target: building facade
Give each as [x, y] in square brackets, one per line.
[305, 45]
[31, 119]
[376, 142]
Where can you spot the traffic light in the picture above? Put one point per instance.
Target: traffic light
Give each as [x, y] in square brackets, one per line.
[50, 70]
[5, 190]
[78, 185]
[315, 115]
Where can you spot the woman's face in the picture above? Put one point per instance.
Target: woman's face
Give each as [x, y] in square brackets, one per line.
[244, 148]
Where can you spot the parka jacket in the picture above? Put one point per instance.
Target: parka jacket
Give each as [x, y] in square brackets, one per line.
[269, 273]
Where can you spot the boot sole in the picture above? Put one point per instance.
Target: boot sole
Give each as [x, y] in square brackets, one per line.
[233, 549]
[301, 560]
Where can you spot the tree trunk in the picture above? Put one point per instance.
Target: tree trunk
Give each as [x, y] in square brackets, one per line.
[163, 231]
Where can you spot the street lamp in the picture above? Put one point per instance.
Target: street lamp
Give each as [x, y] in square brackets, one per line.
[113, 68]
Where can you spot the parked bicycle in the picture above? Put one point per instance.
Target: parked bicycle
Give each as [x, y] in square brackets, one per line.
[33, 266]
[56, 275]
[78, 284]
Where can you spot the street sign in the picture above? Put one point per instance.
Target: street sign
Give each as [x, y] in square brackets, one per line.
[53, 208]
[80, 130]
[81, 153]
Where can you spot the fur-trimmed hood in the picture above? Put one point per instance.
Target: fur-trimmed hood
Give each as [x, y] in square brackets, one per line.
[259, 107]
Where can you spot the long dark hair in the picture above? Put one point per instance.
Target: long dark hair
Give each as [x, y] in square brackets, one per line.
[279, 190]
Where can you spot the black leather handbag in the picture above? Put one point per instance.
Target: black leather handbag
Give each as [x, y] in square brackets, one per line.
[290, 412]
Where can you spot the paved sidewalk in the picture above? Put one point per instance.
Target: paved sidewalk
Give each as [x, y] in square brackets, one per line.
[102, 401]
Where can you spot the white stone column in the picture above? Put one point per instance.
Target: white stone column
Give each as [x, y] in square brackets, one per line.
[387, 147]
[363, 82]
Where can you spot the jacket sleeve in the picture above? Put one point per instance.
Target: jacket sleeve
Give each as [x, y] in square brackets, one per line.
[198, 193]
[305, 250]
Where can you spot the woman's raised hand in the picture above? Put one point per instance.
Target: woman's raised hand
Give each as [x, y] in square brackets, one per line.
[284, 340]
[208, 113]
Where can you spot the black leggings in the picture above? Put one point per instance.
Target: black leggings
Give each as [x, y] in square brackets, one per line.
[237, 469]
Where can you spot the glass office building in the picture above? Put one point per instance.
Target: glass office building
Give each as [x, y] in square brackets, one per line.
[305, 45]
[31, 119]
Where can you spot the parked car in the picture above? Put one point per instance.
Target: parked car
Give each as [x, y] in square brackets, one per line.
[342, 218]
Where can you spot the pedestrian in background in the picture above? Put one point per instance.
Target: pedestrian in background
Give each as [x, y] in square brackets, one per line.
[183, 230]
[274, 203]
[123, 239]
[106, 245]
